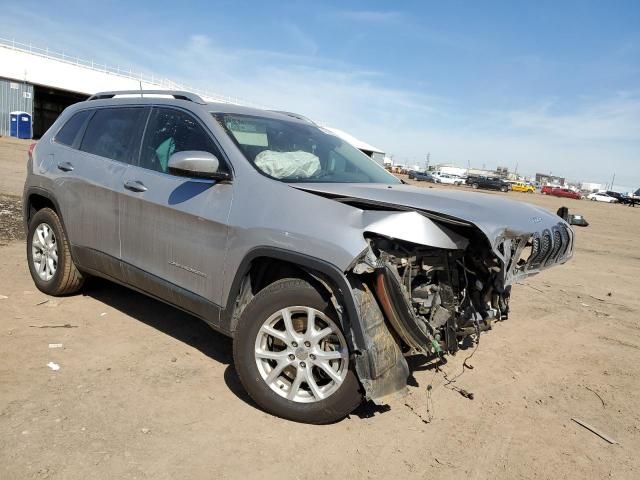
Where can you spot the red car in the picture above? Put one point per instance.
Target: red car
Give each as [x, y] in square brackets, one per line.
[560, 192]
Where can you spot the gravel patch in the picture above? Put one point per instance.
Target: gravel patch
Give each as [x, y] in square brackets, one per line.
[11, 226]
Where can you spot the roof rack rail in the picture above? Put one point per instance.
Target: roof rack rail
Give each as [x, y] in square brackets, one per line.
[178, 95]
[294, 115]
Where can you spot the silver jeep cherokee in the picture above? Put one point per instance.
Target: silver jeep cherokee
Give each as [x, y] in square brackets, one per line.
[325, 269]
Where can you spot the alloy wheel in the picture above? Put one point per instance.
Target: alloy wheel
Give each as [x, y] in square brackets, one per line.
[301, 354]
[44, 249]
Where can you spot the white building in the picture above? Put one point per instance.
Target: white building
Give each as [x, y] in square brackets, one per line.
[374, 152]
[42, 83]
[591, 187]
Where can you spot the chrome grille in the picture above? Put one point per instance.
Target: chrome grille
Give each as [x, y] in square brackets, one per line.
[557, 245]
[535, 249]
[549, 247]
[546, 246]
[566, 241]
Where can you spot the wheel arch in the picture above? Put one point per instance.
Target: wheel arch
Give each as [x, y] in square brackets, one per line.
[35, 199]
[379, 364]
[262, 266]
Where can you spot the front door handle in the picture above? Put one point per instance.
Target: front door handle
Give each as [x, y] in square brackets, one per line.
[65, 166]
[135, 186]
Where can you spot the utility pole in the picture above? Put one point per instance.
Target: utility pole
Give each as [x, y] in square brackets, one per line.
[428, 158]
[613, 179]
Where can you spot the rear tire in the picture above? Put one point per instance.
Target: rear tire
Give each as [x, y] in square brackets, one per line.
[503, 189]
[263, 343]
[49, 256]
[474, 185]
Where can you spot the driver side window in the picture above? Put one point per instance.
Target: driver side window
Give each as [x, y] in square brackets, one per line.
[170, 131]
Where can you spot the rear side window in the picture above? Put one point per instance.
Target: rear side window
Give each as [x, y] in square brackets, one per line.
[68, 133]
[170, 131]
[113, 133]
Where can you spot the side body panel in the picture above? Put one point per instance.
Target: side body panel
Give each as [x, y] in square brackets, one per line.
[176, 230]
[271, 214]
[87, 194]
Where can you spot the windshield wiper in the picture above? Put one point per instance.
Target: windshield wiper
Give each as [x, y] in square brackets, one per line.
[321, 175]
[299, 178]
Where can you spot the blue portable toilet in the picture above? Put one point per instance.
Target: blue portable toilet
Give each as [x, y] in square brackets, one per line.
[20, 125]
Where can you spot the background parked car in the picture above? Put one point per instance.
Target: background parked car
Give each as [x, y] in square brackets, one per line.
[423, 177]
[601, 197]
[489, 183]
[447, 179]
[621, 197]
[560, 192]
[522, 187]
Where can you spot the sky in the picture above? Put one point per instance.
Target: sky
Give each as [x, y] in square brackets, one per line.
[544, 86]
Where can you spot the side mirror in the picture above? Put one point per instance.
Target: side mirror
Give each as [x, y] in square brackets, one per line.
[191, 163]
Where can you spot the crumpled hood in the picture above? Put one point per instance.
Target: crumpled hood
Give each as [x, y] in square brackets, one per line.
[493, 214]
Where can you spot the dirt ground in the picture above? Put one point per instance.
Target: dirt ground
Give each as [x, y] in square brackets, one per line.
[13, 156]
[146, 391]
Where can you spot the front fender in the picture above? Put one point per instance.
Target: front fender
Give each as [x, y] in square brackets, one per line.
[379, 363]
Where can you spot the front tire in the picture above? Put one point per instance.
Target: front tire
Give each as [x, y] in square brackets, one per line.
[291, 356]
[49, 256]
[474, 186]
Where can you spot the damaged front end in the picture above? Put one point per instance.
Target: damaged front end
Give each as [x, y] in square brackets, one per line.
[435, 298]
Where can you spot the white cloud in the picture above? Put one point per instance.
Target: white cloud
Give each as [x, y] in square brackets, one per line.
[370, 16]
[614, 118]
[329, 93]
[588, 139]
[302, 40]
[599, 136]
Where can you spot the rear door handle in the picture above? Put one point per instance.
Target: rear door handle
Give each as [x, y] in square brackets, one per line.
[65, 166]
[135, 186]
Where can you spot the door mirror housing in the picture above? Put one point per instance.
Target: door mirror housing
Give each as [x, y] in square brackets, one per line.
[192, 163]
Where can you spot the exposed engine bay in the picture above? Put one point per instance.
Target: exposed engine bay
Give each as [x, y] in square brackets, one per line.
[438, 300]
[435, 298]
[438, 268]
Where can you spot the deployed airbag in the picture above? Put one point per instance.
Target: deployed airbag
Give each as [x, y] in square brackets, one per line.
[296, 164]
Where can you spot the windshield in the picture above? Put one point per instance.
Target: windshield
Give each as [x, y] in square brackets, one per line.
[295, 152]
